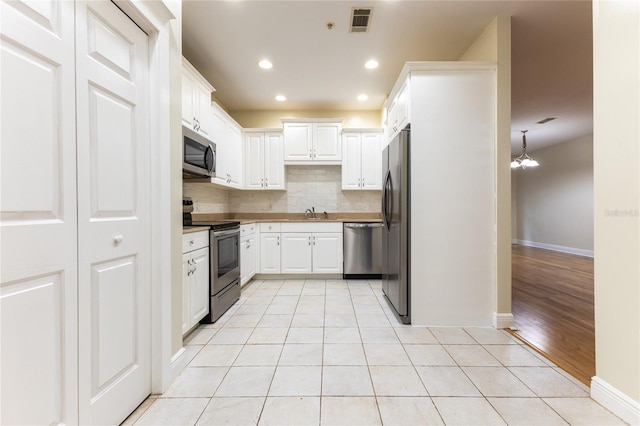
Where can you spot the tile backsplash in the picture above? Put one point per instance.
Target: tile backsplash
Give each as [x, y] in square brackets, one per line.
[307, 186]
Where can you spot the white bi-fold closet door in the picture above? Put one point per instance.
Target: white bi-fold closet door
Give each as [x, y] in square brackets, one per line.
[75, 282]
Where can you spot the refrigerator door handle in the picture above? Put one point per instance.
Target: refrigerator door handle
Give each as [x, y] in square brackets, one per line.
[387, 206]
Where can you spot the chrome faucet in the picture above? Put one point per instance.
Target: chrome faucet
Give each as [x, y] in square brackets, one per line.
[311, 211]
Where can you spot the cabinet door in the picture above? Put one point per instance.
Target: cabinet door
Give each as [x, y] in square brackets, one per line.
[250, 255]
[188, 89]
[233, 153]
[296, 253]
[402, 107]
[327, 252]
[273, 161]
[371, 164]
[243, 261]
[202, 106]
[254, 160]
[199, 284]
[297, 141]
[270, 253]
[326, 142]
[351, 175]
[186, 292]
[219, 135]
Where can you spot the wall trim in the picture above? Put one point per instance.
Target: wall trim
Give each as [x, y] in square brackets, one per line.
[615, 401]
[563, 249]
[178, 363]
[503, 320]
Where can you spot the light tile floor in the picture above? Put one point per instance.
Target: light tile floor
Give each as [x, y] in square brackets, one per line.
[330, 352]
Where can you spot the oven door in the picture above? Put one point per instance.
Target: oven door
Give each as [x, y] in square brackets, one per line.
[225, 258]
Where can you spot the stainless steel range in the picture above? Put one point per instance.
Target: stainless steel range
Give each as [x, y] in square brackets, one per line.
[224, 273]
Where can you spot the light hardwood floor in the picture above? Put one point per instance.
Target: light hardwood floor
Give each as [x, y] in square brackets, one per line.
[552, 301]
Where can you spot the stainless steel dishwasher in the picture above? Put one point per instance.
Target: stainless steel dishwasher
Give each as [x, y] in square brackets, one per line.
[362, 250]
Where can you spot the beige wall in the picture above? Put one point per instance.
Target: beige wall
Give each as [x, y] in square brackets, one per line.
[555, 200]
[617, 196]
[494, 45]
[272, 119]
[307, 186]
[175, 40]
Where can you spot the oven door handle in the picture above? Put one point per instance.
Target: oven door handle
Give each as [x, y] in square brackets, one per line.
[226, 232]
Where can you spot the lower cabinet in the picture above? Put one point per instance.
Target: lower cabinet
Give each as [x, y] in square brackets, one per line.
[195, 278]
[269, 252]
[301, 248]
[248, 252]
[311, 253]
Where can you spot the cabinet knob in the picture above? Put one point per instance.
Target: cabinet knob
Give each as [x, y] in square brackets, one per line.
[118, 239]
[191, 242]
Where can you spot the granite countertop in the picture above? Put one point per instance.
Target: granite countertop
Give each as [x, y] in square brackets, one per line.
[247, 218]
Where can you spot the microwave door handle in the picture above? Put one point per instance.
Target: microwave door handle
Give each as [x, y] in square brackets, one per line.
[215, 158]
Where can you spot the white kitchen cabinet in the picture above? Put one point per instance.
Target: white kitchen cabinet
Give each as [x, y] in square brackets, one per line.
[361, 159]
[264, 161]
[398, 113]
[195, 278]
[248, 252]
[311, 252]
[227, 135]
[296, 253]
[315, 141]
[327, 252]
[270, 248]
[196, 100]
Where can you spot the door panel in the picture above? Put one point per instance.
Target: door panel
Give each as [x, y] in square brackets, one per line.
[371, 161]
[113, 213]
[327, 253]
[296, 253]
[38, 232]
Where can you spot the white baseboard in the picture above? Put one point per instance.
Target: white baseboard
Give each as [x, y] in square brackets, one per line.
[178, 363]
[503, 320]
[563, 249]
[615, 401]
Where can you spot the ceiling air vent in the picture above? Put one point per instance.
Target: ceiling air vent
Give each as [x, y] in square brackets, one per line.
[360, 19]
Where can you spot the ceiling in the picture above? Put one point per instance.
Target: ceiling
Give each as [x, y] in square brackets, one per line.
[318, 68]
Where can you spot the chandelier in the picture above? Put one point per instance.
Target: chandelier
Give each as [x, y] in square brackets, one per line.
[524, 160]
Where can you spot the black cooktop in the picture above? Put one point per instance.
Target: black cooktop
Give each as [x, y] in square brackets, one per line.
[217, 225]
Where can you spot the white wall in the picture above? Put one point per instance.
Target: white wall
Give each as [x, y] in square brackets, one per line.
[616, 134]
[554, 202]
[273, 119]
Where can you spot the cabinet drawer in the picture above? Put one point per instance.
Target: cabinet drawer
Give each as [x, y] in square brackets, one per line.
[311, 226]
[249, 228]
[194, 241]
[270, 227]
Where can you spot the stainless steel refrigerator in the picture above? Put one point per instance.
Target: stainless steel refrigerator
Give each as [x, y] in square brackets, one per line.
[396, 208]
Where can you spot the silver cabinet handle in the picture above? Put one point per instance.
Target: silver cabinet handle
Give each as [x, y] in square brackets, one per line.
[262, 183]
[266, 182]
[278, 240]
[189, 272]
[309, 240]
[314, 240]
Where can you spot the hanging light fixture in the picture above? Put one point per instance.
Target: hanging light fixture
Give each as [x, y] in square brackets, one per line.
[524, 160]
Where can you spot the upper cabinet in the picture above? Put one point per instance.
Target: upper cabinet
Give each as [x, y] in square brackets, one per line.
[227, 135]
[361, 159]
[316, 141]
[264, 164]
[196, 100]
[398, 113]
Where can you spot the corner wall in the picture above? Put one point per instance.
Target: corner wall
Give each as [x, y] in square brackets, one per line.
[494, 45]
[554, 202]
[616, 42]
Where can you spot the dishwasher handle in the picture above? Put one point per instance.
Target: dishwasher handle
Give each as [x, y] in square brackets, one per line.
[363, 225]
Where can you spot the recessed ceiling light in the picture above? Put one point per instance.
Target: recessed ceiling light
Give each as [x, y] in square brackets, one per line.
[362, 97]
[265, 64]
[371, 64]
[281, 98]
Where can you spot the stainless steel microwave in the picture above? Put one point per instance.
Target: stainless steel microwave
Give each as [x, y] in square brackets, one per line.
[199, 155]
